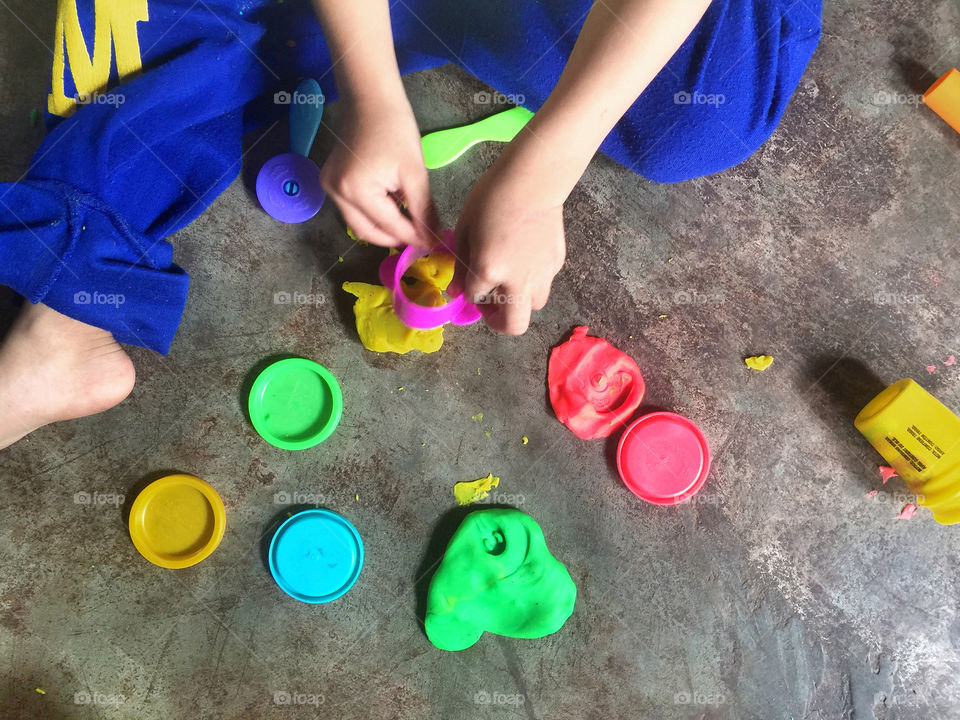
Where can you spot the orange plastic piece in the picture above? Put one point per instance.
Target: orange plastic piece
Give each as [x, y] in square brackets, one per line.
[943, 98]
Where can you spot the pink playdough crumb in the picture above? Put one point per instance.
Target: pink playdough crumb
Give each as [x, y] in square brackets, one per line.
[908, 510]
[887, 472]
[871, 493]
[949, 361]
[931, 369]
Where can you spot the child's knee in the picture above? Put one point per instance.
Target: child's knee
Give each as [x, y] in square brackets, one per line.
[704, 138]
[725, 91]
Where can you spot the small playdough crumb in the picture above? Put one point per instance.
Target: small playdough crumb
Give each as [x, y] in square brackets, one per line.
[357, 497]
[399, 389]
[908, 510]
[886, 472]
[473, 490]
[662, 316]
[931, 369]
[950, 361]
[871, 493]
[339, 258]
[487, 433]
[39, 691]
[477, 418]
[524, 439]
[759, 362]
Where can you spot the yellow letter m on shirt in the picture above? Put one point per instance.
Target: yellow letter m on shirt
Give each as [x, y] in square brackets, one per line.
[115, 26]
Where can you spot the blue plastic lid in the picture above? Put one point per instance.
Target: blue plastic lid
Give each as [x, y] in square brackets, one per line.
[316, 556]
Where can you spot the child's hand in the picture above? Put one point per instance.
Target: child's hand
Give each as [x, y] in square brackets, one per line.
[377, 165]
[511, 244]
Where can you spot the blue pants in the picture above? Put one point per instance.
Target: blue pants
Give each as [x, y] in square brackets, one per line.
[84, 231]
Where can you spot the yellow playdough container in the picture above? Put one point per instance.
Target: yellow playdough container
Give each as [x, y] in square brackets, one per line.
[919, 437]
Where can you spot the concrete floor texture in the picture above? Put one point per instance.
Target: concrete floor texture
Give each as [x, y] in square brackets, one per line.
[781, 593]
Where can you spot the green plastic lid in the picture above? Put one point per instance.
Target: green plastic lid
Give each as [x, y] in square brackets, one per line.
[295, 404]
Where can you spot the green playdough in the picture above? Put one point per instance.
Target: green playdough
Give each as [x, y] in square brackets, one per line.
[497, 576]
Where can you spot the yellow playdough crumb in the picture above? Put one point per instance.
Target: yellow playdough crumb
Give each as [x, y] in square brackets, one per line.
[339, 258]
[661, 316]
[39, 691]
[759, 362]
[400, 388]
[352, 236]
[524, 439]
[469, 492]
[487, 433]
[477, 418]
[357, 497]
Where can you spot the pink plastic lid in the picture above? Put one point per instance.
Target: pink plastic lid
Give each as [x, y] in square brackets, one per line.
[458, 311]
[663, 458]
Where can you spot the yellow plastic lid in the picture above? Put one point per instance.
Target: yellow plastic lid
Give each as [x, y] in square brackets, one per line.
[177, 521]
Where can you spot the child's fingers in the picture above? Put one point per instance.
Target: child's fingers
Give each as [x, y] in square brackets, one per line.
[363, 226]
[512, 314]
[458, 285]
[386, 215]
[539, 297]
[478, 288]
[420, 205]
[479, 277]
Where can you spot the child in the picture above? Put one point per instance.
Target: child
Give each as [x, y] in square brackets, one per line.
[673, 90]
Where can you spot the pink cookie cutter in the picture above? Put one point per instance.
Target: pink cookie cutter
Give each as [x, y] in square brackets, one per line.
[420, 317]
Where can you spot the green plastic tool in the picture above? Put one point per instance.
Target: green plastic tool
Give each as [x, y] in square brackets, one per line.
[497, 576]
[444, 146]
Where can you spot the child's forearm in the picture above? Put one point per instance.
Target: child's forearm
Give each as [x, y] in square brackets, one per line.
[623, 45]
[361, 47]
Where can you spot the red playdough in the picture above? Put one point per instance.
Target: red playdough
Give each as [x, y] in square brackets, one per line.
[594, 388]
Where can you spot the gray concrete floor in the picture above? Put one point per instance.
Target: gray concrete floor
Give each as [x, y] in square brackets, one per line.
[783, 593]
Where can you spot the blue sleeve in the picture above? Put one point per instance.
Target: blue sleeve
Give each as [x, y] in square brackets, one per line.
[83, 231]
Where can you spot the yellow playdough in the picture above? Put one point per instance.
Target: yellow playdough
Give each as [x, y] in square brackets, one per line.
[759, 362]
[470, 492]
[379, 327]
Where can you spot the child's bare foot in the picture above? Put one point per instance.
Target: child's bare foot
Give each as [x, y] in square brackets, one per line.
[55, 368]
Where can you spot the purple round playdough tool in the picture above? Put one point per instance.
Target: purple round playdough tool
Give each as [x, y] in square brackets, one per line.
[288, 188]
[420, 317]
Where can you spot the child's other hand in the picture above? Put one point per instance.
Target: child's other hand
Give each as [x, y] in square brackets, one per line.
[376, 165]
[511, 245]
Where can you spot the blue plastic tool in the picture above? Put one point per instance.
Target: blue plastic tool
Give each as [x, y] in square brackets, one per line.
[288, 185]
